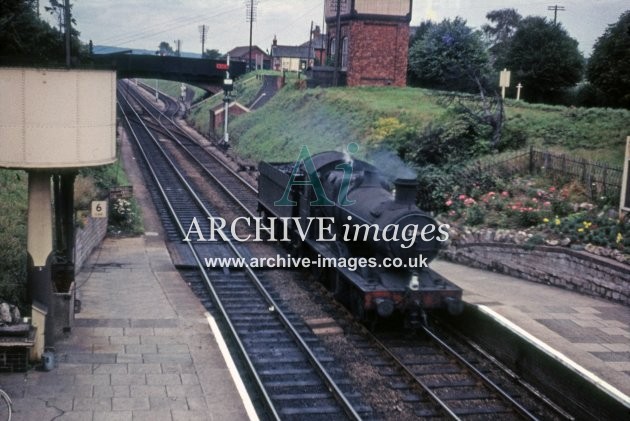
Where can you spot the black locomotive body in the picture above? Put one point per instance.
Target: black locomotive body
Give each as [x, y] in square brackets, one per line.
[382, 230]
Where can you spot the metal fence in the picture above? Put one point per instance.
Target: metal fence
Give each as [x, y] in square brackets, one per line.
[598, 178]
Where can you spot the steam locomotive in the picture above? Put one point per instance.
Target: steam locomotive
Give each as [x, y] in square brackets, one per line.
[377, 245]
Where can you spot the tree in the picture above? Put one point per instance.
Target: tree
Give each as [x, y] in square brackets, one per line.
[212, 54]
[499, 35]
[450, 56]
[420, 31]
[165, 49]
[544, 58]
[609, 67]
[25, 37]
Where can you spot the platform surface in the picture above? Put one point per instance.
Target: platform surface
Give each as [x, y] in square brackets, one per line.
[592, 332]
[141, 348]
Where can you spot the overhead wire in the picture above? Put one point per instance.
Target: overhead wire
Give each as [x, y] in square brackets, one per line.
[182, 21]
[160, 24]
[292, 23]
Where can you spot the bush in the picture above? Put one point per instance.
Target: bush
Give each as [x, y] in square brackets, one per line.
[85, 191]
[475, 216]
[125, 217]
[13, 217]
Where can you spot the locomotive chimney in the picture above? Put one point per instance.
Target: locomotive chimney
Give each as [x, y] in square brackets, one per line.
[406, 191]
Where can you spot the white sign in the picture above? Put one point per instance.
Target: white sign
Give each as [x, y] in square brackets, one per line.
[99, 209]
[504, 78]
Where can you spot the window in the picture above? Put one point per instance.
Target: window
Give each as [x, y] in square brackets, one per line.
[344, 53]
[333, 44]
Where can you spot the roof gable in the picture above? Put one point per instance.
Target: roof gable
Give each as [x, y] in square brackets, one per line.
[243, 52]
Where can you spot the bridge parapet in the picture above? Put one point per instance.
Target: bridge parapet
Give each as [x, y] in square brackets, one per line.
[182, 69]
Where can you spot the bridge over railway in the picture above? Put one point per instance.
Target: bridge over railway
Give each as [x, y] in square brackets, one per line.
[205, 73]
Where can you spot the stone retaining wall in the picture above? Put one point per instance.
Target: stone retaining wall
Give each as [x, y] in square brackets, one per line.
[87, 239]
[559, 266]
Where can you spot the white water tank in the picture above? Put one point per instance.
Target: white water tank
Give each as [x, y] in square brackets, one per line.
[57, 118]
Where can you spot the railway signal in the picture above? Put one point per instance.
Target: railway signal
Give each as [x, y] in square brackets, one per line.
[228, 86]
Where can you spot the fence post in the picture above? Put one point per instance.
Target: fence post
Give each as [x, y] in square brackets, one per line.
[605, 180]
[584, 180]
[531, 159]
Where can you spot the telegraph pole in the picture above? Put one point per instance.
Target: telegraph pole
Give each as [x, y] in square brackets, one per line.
[68, 24]
[555, 9]
[203, 31]
[251, 17]
[310, 45]
[178, 43]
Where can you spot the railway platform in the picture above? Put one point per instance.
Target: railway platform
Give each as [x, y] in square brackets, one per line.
[590, 332]
[143, 347]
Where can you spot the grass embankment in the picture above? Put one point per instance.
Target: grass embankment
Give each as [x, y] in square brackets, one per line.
[173, 88]
[327, 119]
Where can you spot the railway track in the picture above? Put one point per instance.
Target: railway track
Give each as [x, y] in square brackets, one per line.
[435, 380]
[292, 375]
[240, 191]
[463, 381]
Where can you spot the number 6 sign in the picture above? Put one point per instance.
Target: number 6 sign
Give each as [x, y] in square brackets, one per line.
[99, 209]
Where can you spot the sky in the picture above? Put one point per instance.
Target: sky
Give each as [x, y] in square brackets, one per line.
[143, 24]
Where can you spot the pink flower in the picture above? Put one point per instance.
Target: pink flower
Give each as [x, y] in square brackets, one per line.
[505, 194]
[462, 197]
[449, 202]
[490, 194]
[469, 201]
[535, 200]
[552, 189]
[452, 213]
[547, 204]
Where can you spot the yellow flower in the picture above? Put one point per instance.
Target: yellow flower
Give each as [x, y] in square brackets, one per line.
[557, 221]
[587, 224]
[580, 229]
[545, 220]
[619, 238]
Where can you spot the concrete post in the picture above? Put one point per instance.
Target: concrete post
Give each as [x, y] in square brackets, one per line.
[39, 244]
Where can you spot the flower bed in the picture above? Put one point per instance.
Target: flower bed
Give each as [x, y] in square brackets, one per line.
[531, 211]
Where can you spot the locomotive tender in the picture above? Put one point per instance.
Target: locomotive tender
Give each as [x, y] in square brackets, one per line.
[369, 222]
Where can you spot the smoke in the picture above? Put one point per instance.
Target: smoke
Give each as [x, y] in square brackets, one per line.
[390, 165]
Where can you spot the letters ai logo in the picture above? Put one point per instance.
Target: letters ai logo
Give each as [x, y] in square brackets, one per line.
[305, 159]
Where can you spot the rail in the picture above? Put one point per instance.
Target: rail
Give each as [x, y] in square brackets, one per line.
[333, 387]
